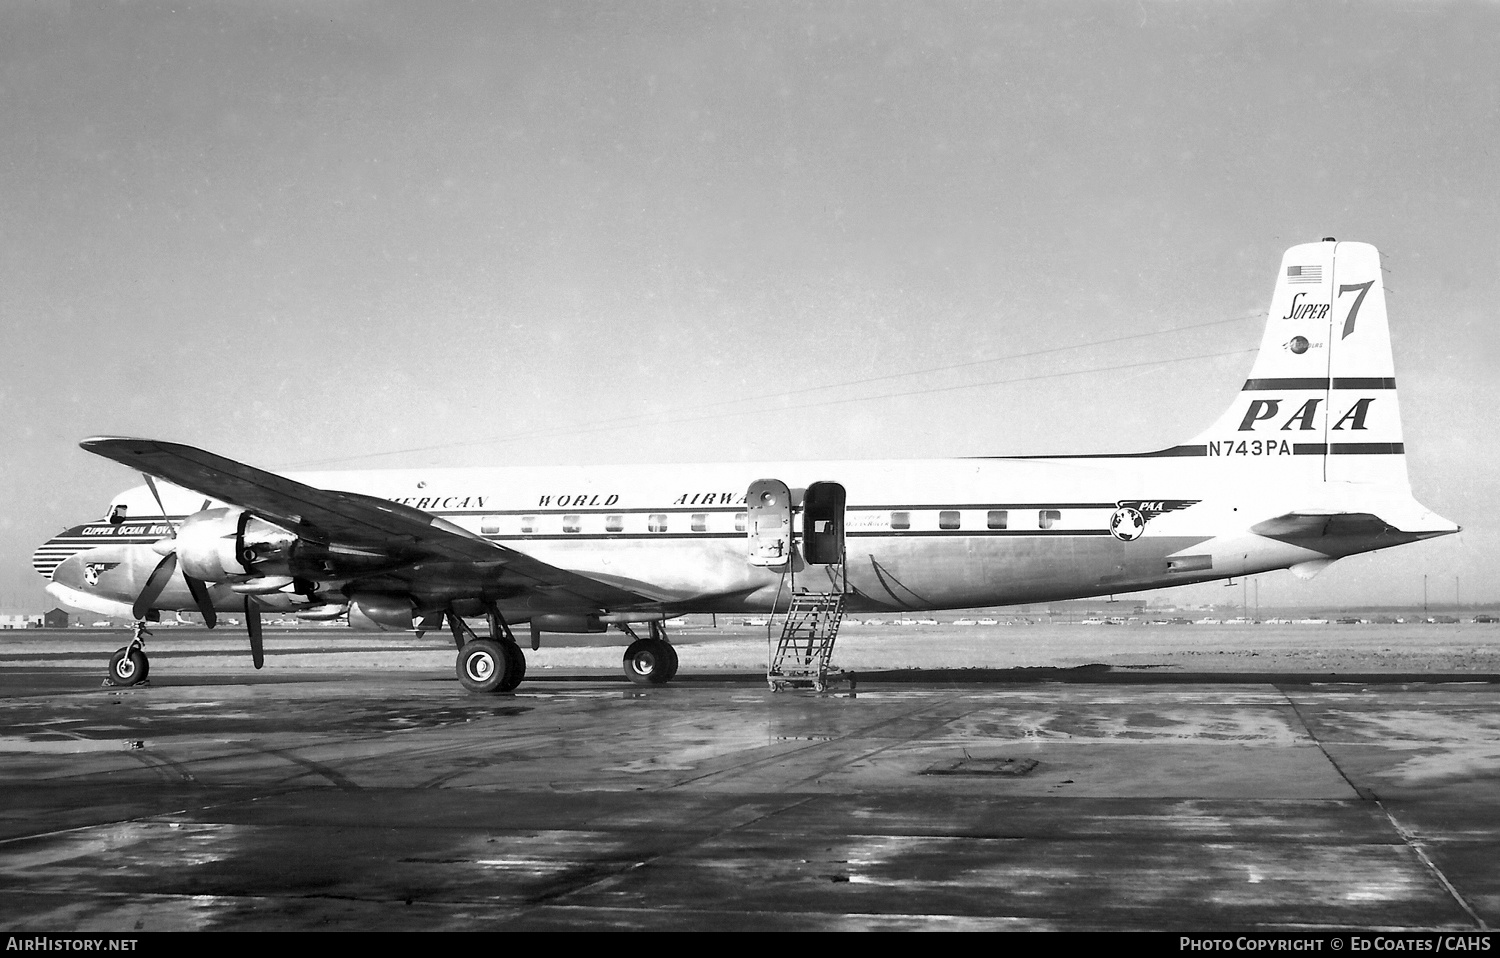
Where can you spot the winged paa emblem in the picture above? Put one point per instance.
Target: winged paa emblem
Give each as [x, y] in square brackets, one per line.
[93, 570]
[1131, 515]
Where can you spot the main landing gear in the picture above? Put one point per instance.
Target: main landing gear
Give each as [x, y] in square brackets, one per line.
[650, 661]
[130, 666]
[495, 664]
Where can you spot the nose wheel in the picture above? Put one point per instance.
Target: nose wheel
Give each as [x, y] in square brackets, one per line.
[130, 666]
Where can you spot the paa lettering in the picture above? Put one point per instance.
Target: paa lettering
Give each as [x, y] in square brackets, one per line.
[1262, 410]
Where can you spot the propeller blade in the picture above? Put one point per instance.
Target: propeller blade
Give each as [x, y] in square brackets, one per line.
[252, 625]
[151, 484]
[199, 589]
[157, 581]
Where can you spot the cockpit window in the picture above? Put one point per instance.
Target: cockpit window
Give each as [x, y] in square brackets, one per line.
[116, 513]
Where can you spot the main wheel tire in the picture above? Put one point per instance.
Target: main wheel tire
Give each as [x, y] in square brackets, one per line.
[672, 660]
[482, 665]
[128, 666]
[515, 666]
[648, 662]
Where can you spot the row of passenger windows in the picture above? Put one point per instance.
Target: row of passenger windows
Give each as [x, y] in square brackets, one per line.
[993, 519]
[655, 522]
[700, 522]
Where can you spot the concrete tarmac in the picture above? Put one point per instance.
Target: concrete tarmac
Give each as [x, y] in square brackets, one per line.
[375, 799]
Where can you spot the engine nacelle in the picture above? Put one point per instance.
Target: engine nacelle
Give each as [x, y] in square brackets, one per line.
[382, 613]
[217, 544]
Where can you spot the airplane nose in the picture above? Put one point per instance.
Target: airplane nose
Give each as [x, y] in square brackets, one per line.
[100, 580]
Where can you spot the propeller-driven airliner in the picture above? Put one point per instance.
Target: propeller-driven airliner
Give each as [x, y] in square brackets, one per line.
[1306, 466]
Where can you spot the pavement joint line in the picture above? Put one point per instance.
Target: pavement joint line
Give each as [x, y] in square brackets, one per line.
[1418, 847]
[1407, 838]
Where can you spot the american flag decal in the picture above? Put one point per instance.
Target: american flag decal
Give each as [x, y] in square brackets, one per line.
[1304, 274]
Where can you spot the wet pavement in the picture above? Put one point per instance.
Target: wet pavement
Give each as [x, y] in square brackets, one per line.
[379, 799]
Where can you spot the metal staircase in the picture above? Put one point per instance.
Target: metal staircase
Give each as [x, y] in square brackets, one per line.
[800, 659]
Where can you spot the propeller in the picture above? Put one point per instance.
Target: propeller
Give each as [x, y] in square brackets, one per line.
[162, 574]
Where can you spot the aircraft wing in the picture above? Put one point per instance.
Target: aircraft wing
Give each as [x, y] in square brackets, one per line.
[351, 519]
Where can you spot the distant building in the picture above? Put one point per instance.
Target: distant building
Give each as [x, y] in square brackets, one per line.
[56, 619]
[20, 622]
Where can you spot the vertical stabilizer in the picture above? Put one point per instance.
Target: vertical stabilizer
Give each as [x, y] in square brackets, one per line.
[1320, 401]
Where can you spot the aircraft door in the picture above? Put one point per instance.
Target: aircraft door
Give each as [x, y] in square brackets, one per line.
[823, 523]
[768, 507]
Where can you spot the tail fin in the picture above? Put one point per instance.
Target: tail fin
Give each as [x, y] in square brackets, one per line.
[1323, 388]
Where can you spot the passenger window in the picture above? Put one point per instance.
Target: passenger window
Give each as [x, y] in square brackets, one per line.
[489, 526]
[739, 522]
[901, 520]
[998, 519]
[657, 522]
[572, 523]
[700, 522]
[948, 519]
[614, 523]
[528, 525]
[1046, 517]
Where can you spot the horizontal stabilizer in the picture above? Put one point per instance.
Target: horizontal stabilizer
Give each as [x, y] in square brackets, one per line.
[1407, 520]
[1302, 525]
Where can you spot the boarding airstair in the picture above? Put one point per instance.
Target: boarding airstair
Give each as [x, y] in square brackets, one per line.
[801, 656]
[810, 625]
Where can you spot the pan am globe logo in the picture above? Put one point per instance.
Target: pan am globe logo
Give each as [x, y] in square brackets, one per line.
[1127, 524]
[1129, 520]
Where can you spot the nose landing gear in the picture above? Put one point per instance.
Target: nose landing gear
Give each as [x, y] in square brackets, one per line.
[130, 666]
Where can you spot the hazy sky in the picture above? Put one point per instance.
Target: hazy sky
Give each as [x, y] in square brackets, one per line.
[366, 234]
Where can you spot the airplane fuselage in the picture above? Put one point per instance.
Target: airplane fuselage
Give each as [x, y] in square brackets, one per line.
[920, 534]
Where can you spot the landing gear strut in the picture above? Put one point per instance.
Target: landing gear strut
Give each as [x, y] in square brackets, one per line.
[130, 666]
[495, 664]
[650, 661]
